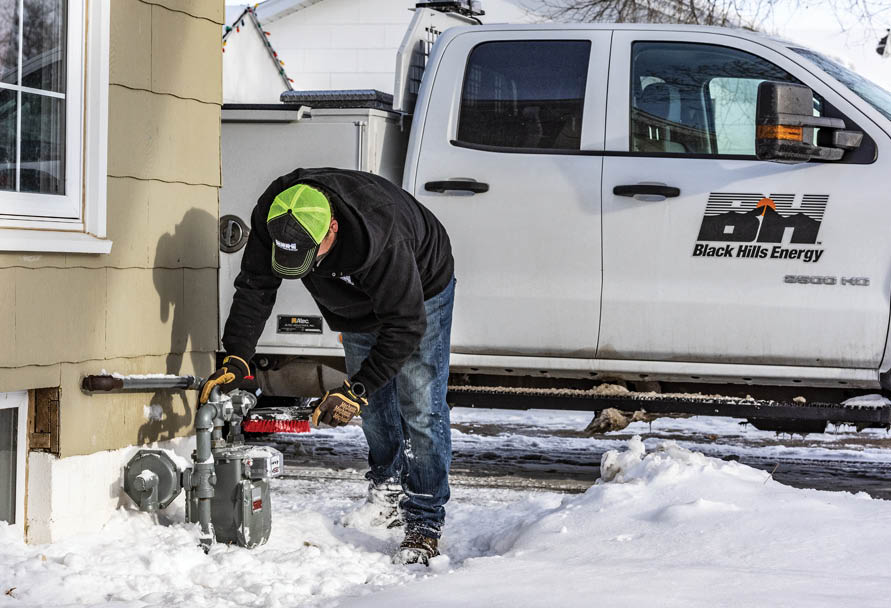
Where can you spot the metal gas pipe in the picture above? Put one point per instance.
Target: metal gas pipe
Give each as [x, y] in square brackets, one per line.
[231, 507]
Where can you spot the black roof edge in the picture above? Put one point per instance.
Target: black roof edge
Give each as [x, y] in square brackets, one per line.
[338, 99]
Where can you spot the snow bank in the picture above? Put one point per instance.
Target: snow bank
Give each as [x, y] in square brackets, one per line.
[676, 528]
[670, 528]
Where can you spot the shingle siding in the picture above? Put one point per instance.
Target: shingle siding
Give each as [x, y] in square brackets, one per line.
[149, 306]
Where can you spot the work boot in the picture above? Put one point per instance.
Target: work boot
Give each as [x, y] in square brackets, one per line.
[380, 509]
[416, 548]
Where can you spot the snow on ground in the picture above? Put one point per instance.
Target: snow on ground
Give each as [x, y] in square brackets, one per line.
[310, 559]
[711, 435]
[671, 527]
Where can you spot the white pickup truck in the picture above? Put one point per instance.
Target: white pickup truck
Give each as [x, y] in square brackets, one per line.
[610, 214]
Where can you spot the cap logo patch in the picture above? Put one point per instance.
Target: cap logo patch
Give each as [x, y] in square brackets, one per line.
[286, 246]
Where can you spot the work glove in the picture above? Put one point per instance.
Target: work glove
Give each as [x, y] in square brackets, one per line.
[230, 376]
[339, 406]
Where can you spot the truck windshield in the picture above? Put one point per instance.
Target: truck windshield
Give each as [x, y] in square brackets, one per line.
[869, 91]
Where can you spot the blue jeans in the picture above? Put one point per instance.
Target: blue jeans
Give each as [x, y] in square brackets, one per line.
[406, 422]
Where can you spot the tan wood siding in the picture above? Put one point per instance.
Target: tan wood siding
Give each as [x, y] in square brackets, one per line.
[149, 306]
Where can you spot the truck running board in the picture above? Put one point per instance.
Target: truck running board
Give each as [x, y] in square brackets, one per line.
[763, 414]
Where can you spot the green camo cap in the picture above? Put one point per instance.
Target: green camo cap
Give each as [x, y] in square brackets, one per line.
[298, 220]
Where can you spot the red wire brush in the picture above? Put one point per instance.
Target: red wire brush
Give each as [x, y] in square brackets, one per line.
[290, 417]
[275, 426]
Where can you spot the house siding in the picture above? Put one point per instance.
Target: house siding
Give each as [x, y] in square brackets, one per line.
[149, 306]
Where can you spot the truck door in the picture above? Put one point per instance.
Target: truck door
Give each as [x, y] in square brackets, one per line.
[504, 163]
[747, 261]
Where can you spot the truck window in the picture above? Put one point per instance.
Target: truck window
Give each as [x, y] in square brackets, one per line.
[524, 94]
[697, 99]
[875, 95]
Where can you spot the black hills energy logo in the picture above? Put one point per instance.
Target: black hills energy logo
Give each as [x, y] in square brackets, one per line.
[765, 227]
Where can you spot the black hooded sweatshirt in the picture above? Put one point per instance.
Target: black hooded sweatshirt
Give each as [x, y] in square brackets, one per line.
[390, 255]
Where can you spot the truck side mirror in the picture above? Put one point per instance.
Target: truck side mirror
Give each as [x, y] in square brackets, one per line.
[785, 123]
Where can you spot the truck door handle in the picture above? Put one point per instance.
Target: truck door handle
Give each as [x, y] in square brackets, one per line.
[457, 184]
[653, 192]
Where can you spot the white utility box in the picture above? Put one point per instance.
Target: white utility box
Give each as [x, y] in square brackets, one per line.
[263, 142]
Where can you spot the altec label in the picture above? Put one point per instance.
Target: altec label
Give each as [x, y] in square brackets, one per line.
[758, 227]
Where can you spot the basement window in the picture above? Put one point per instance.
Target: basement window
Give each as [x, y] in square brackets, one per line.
[53, 125]
[13, 421]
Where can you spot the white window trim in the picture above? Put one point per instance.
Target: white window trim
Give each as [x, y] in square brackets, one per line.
[87, 232]
[19, 400]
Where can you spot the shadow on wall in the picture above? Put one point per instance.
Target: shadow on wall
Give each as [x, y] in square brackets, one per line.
[164, 422]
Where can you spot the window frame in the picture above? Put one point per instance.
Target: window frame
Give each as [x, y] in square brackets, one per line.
[19, 400]
[516, 149]
[59, 207]
[81, 226]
